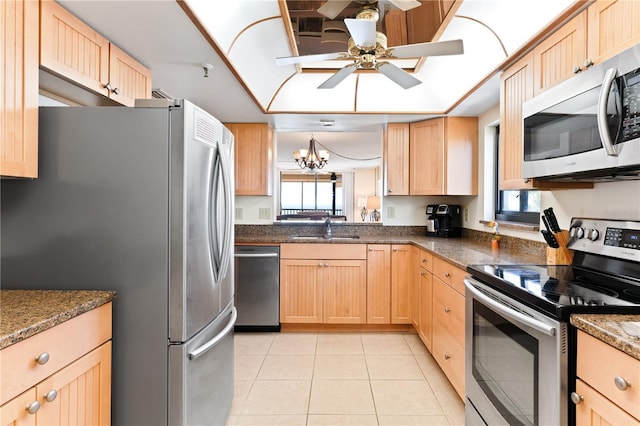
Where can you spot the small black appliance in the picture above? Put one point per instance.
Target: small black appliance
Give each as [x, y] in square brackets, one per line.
[444, 220]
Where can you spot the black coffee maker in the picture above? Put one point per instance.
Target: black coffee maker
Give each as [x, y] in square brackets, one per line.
[444, 220]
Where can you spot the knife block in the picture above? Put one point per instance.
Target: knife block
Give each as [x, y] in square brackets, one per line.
[562, 255]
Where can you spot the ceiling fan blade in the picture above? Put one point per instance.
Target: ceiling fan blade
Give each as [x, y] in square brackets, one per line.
[437, 48]
[398, 75]
[405, 4]
[287, 60]
[332, 8]
[363, 32]
[335, 79]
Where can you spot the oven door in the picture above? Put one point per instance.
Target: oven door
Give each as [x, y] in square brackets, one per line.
[516, 359]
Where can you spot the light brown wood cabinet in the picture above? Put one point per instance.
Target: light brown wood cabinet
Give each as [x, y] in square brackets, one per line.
[75, 51]
[443, 156]
[607, 392]
[396, 159]
[73, 386]
[253, 158]
[401, 283]
[323, 283]
[613, 26]
[19, 93]
[423, 298]
[378, 284]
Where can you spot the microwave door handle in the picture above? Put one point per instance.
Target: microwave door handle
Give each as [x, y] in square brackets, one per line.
[603, 99]
[508, 312]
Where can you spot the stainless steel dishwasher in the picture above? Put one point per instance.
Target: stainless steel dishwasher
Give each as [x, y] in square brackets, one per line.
[257, 295]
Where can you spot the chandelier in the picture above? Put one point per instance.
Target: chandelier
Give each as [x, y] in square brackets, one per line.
[311, 158]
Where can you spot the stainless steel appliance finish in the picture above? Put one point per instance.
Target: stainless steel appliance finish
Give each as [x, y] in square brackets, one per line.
[587, 128]
[257, 295]
[137, 200]
[520, 349]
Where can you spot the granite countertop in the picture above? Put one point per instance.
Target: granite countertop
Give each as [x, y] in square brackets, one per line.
[24, 313]
[620, 331]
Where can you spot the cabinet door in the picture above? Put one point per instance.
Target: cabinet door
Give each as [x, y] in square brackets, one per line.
[253, 157]
[613, 27]
[427, 157]
[461, 156]
[300, 291]
[448, 309]
[79, 393]
[401, 283]
[449, 355]
[14, 412]
[72, 49]
[414, 294]
[426, 308]
[555, 59]
[396, 160]
[345, 291]
[378, 284]
[129, 80]
[19, 88]
[596, 410]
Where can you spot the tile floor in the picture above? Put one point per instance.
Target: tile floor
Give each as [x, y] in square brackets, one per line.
[340, 379]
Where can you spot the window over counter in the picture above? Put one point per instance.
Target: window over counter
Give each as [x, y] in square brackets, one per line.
[311, 195]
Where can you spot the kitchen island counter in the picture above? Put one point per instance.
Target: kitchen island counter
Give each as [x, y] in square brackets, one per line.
[24, 313]
[620, 331]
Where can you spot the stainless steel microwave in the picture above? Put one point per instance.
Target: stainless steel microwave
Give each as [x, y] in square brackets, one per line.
[588, 127]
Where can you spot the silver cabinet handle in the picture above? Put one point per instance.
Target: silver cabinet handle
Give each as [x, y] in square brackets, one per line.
[51, 395]
[576, 398]
[326, 265]
[108, 86]
[116, 91]
[43, 358]
[33, 407]
[320, 264]
[587, 63]
[621, 383]
[446, 356]
[424, 260]
[446, 274]
[389, 190]
[395, 249]
[211, 343]
[577, 69]
[370, 249]
[422, 273]
[446, 309]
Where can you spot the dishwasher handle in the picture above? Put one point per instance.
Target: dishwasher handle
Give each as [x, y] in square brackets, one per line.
[256, 255]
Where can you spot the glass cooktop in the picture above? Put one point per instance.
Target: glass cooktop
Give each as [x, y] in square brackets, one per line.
[560, 290]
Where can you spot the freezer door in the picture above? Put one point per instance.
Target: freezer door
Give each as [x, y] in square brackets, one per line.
[201, 223]
[201, 375]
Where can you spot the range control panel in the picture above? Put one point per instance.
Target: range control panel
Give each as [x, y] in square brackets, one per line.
[615, 238]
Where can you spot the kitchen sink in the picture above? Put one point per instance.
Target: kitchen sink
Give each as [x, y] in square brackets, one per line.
[321, 237]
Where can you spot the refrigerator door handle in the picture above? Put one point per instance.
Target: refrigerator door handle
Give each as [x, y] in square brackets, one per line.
[227, 246]
[214, 243]
[213, 342]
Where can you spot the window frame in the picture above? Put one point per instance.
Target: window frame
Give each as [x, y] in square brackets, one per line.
[334, 200]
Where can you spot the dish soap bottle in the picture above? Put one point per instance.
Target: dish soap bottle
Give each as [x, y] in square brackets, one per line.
[495, 240]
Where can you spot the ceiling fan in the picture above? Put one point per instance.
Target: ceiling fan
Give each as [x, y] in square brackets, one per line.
[332, 8]
[366, 47]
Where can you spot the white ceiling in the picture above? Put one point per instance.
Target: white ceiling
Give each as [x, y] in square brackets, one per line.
[160, 35]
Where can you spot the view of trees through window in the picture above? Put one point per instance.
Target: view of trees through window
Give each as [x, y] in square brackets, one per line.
[310, 192]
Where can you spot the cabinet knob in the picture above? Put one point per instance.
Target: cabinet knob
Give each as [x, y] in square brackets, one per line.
[424, 260]
[587, 63]
[446, 309]
[370, 249]
[116, 91]
[320, 264]
[326, 265]
[33, 407]
[446, 274]
[577, 69]
[422, 273]
[389, 190]
[576, 398]
[43, 358]
[621, 383]
[51, 395]
[395, 249]
[108, 86]
[446, 356]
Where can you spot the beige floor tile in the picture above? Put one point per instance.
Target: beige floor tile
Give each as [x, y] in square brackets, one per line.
[395, 367]
[231, 420]
[277, 397]
[415, 344]
[341, 397]
[339, 343]
[252, 343]
[430, 367]
[279, 420]
[294, 344]
[246, 367]
[340, 367]
[404, 397]
[342, 419]
[279, 367]
[240, 392]
[385, 344]
[447, 397]
[413, 420]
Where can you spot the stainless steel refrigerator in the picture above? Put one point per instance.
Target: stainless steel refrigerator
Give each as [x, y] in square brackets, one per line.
[140, 201]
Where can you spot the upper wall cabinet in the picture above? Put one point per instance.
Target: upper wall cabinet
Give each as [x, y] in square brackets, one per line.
[613, 27]
[73, 50]
[19, 90]
[396, 159]
[444, 156]
[253, 158]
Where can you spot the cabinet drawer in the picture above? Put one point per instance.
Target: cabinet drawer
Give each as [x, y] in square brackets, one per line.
[323, 251]
[448, 309]
[449, 274]
[599, 364]
[450, 356]
[64, 343]
[425, 260]
[595, 409]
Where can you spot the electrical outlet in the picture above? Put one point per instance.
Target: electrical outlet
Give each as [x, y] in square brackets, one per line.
[391, 212]
[264, 213]
[238, 213]
[466, 214]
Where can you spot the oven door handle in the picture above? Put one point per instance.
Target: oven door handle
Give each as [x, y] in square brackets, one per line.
[508, 312]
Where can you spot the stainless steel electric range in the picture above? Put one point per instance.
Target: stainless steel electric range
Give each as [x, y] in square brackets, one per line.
[520, 349]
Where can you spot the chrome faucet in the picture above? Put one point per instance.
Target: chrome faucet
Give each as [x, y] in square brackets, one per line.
[327, 232]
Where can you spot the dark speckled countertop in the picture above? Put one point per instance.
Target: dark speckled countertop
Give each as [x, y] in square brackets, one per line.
[24, 313]
[620, 331]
